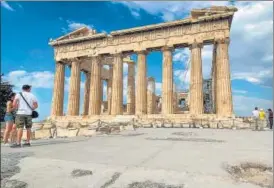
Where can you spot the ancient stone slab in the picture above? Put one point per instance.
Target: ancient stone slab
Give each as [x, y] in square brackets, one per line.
[43, 133]
[86, 132]
[70, 132]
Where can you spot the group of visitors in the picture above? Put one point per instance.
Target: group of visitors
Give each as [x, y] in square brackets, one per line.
[19, 113]
[261, 121]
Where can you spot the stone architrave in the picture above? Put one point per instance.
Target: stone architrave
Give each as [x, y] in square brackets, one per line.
[86, 93]
[151, 100]
[58, 91]
[223, 84]
[95, 82]
[74, 89]
[141, 84]
[109, 88]
[196, 80]
[167, 86]
[117, 86]
[131, 88]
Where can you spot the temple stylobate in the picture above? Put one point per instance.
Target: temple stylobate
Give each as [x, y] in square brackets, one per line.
[101, 56]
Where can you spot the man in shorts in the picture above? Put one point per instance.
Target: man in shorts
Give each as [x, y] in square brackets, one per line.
[23, 116]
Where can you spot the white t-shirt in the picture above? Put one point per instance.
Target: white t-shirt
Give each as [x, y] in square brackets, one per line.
[255, 113]
[23, 108]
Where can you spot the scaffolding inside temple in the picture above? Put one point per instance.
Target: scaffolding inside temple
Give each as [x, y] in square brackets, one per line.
[207, 95]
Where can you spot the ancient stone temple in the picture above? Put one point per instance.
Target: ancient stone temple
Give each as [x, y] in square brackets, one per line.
[101, 56]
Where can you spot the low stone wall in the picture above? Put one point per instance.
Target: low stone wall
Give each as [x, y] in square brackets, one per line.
[70, 127]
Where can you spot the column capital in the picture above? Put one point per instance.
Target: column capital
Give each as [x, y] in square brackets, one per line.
[145, 52]
[222, 41]
[130, 62]
[196, 44]
[167, 48]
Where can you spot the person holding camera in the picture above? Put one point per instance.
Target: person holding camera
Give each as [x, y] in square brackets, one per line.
[25, 103]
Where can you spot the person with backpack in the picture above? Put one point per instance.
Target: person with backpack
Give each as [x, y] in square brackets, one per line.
[25, 103]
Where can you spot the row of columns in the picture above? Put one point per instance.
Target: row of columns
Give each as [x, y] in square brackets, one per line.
[142, 103]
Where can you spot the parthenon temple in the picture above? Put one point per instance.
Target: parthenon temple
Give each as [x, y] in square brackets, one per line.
[100, 56]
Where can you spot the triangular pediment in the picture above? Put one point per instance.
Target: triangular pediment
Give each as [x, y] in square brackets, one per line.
[81, 32]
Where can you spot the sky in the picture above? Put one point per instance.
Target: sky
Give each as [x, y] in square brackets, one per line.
[27, 27]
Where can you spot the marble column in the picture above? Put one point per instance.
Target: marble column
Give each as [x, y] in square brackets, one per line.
[196, 80]
[151, 100]
[213, 77]
[141, 84]
[167, 86]
[58, 91]
[95, 82]
[224, 105]
[117, 85]
[131, 88]
[86, 93]
[74, 89]
[109, 88]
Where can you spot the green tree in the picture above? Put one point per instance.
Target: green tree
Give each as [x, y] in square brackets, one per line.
[5, 91]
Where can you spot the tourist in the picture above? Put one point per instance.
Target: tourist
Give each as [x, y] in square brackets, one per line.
[262, 118]
[255, 114]
[10, 128]
[270, 118]
[25, 102]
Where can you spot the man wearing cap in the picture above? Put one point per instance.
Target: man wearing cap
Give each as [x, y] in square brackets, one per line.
[25, 102]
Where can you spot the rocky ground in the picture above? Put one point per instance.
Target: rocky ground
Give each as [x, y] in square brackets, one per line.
[147, 158]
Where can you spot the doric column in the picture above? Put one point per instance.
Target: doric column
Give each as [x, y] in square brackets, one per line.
[117, 86]
[141, 84]
[223, 85]
[74, 89]
[167, 87]
[58, 91]
[196, 80]
[109, 88]
[86, 93]
[151, 102]
[131, 88]
[213, 77]
[95, 82]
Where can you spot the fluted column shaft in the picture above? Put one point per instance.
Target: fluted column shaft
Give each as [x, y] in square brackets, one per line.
[224, 105]
[74, 89]
[196, 80]
[167, 88]
[213, 77]
[141, 84]
[86, 93]
[151, 100]
[117, 86]
[58, 91]
[131, 88]
[109, 88]
[95, 82]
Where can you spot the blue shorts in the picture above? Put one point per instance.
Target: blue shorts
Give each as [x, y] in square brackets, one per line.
[9, 118]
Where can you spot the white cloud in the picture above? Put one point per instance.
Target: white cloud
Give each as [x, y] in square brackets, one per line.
[6, 6]
[43, 79]
[255, 77]
[249, 104]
